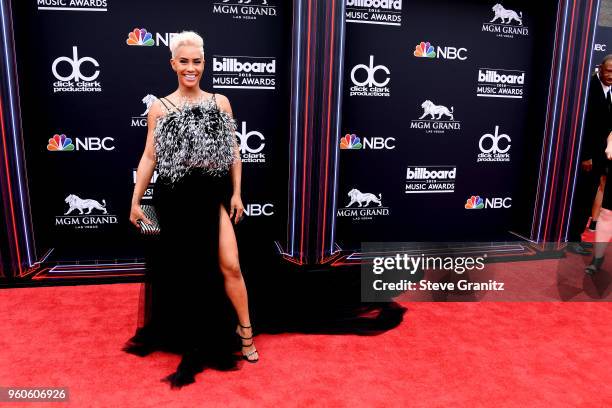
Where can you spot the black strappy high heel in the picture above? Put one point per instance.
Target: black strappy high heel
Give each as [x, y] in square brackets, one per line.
[595, 266]
[247, 355]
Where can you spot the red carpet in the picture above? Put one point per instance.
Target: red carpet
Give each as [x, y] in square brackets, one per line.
[443, 354]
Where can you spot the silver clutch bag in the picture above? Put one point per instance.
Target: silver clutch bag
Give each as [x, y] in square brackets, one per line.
[149, 229]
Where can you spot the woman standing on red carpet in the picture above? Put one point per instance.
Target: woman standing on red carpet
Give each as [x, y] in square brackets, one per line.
[194, 287]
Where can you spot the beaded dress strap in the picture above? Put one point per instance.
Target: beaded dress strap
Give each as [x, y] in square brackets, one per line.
[163, 103]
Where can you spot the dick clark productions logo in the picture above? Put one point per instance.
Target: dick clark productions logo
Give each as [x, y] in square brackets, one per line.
[76, 74]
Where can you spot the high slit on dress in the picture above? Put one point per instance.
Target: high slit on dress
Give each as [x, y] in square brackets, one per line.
[184, 305]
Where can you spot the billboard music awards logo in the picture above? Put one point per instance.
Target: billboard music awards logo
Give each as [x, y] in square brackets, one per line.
[85, 213]
[363, 206]
[251, 145]
[370, 80]
[383, 12]
[430, 179]
[353, 142]
[140, 37]
[436, 119]
[62, 143]
[141, 121]
[72, 5]
[427, 51]
[245, 9]
[76, 74]
[494, 147]
[500, 83]
[506, 23]
[238, 72]
[496, 203]
[148, 194]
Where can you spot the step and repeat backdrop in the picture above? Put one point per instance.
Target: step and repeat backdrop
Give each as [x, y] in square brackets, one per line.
[89, 71]
[443, 118]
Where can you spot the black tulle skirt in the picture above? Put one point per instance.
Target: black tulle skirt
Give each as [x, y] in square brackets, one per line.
[183, 304]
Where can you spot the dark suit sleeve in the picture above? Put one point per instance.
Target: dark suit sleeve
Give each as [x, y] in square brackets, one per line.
[590, 123]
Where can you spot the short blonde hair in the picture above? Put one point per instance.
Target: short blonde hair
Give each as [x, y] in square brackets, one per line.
[186, 38]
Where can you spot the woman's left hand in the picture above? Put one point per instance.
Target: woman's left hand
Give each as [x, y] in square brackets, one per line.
[237, 209]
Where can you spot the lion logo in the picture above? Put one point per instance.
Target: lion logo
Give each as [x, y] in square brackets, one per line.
[148, 101]
[358, 197]
[77, 203]
[436, 111]
[506, 16]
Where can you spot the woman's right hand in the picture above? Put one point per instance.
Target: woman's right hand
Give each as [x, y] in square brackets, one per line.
[137, 214]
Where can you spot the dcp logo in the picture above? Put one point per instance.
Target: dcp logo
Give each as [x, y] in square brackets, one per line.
[75, 63]
[371, 74]
[244, 137]
[499, 143]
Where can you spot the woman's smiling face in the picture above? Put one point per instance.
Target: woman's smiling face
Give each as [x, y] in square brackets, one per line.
[188, 63]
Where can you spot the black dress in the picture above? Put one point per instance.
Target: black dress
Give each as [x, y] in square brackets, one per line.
[183, 304]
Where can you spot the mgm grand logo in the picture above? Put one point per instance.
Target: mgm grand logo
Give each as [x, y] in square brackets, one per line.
[363, 206]
[436, 119]
[245, 9]
[84, 213]
[506, 23]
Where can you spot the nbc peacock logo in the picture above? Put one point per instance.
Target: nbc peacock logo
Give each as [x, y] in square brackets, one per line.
[424, 50]
[350, 142]
[60, 143]
[140, 37]
[474, 203]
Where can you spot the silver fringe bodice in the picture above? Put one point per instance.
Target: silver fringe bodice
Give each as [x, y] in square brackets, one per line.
[194, 135]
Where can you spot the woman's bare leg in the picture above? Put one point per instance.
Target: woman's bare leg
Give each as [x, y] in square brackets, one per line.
[234, 281]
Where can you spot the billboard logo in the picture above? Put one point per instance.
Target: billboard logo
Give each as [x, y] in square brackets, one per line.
[494, 147]
[430, 179]
[367, 206]
[436, 119]
[496, 203]
[382, 12]
[353, 142]
[72, 5]
[140, 37]
[241, 72]
[251, 150]
[60, 143]
[244, 10]
[500, 83]
[505, 23]
[76, 74]
[370, 84]
[85, 213]
[426, 50]
[141, 121]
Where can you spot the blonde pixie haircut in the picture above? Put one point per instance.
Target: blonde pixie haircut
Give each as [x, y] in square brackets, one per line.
[186, 38]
